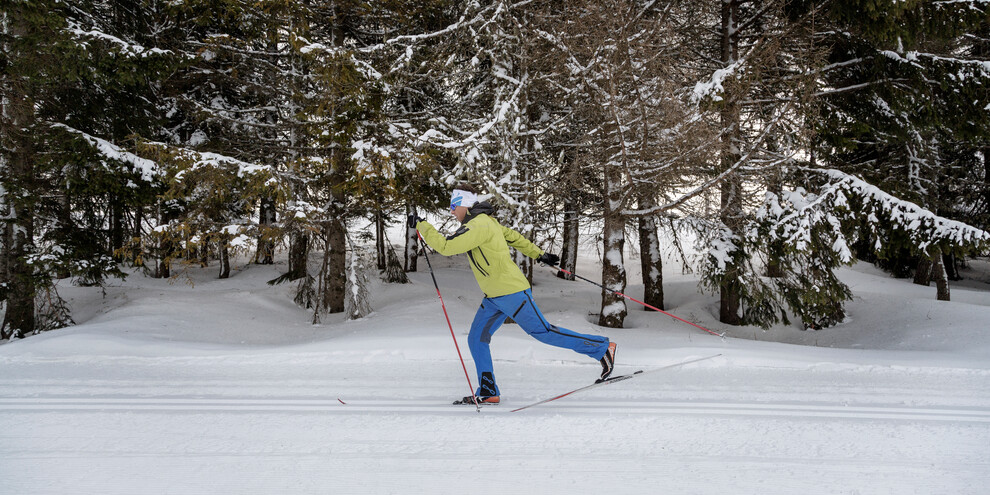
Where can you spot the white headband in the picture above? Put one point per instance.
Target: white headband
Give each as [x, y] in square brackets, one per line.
[462, 198]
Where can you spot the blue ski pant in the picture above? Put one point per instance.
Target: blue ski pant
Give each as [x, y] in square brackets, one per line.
[521, 308]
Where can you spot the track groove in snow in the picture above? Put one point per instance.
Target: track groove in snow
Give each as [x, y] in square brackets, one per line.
[738, 409]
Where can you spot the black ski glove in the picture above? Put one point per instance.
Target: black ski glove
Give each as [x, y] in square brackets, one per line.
[413, 220]
[549, 259]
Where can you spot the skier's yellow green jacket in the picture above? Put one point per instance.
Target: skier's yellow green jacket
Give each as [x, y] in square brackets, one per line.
[487, 244]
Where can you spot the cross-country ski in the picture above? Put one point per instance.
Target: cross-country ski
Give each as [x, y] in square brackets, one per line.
[614, 380]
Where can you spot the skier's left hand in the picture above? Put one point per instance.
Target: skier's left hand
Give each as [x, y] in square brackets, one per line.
[549, 259]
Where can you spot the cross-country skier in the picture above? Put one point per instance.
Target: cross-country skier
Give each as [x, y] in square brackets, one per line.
[507, 292]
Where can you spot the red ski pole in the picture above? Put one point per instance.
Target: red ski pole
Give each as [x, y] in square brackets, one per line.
[640, 302]
[444, 306]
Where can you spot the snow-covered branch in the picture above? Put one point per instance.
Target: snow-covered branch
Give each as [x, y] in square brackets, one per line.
[796, 214]
[126, 48]
[147, 168]
[200, 159]
[712, 88]
[923, 225]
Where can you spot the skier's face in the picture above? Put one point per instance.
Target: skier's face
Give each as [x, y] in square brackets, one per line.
[460, 212]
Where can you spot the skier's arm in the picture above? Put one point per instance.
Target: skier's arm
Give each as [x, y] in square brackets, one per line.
[522, 244]
[462, 241]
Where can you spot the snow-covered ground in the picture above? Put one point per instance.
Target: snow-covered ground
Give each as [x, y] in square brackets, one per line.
[224, 387]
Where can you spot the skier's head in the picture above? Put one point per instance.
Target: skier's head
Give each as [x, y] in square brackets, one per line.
[463, 197]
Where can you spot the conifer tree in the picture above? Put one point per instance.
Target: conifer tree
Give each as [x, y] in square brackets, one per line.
[906, 98]
[24, 26]
[69, 73]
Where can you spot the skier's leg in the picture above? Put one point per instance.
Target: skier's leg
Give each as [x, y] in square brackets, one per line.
[486, 322]
[529, 317]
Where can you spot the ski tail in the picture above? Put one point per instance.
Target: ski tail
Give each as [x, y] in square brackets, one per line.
[616, 379]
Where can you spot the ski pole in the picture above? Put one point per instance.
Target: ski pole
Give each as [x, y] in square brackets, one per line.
[722, 335]
[444, 306]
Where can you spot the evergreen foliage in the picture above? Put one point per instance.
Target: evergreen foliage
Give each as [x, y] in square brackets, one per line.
[904, 104]
[789, 137]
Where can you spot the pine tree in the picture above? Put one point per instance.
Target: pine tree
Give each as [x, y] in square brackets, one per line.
[24, 27]
[750, 96]
[906, 97]
[70, 71]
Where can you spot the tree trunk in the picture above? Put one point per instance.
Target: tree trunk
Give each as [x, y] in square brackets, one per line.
[525, 264]
[730, 297]
[334, 277]
[224, 257]
[986, 178]
[298, 238]
[938, 273]
[613, 311]
[572, 214]
[298, 254]
[775, 249]
[923, 274]
[731, 187]
[161, 259]
[116, 228]
[650, 257]
[18, 193]
[949, 261]
[571, 234]
[138, 234]
[411, 255]
[266, 245]
[19, 318]
[380, 237]
[165, 247]
[65, 228]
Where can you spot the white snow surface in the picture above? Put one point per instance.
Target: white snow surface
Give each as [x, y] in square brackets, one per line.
[224, 387]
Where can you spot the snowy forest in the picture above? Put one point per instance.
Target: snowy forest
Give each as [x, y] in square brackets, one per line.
[782, 139]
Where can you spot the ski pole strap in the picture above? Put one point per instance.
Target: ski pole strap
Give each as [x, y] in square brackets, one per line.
[722, 335]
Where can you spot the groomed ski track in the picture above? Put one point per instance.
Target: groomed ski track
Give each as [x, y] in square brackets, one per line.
[227, 388]
[724, 427]
[333, 406]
